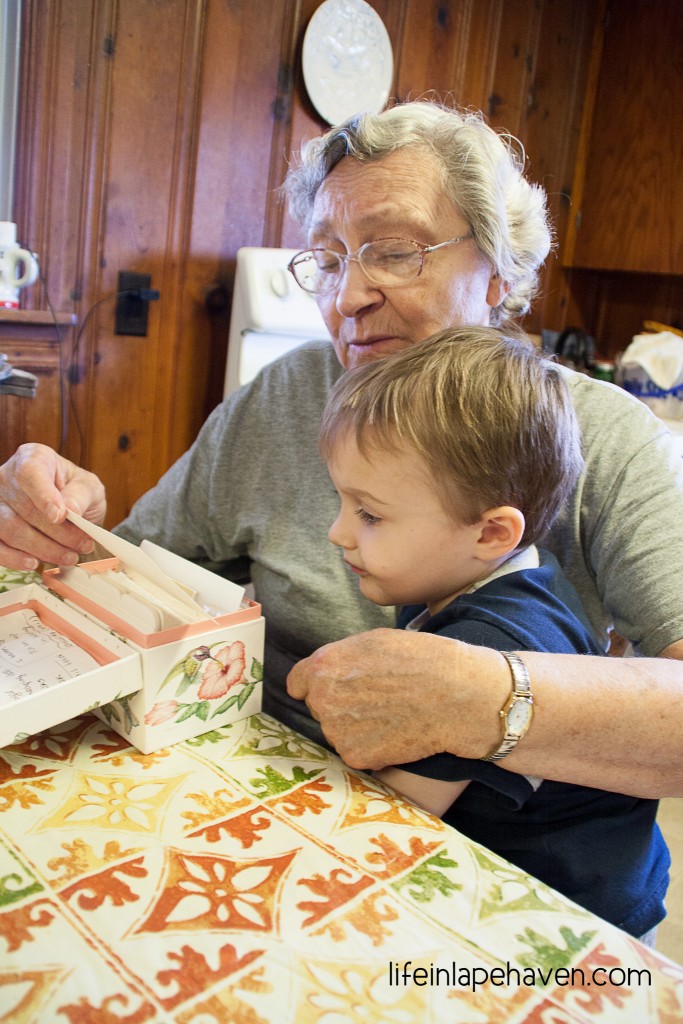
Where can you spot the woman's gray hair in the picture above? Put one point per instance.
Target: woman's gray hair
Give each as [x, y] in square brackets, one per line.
[482, 174]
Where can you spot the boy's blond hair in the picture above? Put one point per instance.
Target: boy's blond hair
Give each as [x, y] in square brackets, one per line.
[491, 417]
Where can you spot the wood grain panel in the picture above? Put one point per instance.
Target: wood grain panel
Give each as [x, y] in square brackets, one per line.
[558, 91]
[632, 212]
[449, 51]
[53, 124]
[38, 418]
[508, 99]
[58, 181]
[138, 226]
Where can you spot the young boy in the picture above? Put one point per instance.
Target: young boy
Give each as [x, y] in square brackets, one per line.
[451, 460]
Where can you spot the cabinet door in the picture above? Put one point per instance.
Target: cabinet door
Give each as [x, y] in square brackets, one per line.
[31, 419]
[630, 216]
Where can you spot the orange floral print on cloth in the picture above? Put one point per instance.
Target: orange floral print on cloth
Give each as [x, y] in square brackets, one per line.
[207, 674]
[248, 875]
[192, 975]
[201, 892]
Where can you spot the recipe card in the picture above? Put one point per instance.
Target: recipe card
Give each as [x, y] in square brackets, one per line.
[34, 657]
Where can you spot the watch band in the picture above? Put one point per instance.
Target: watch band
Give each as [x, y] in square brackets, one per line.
[520, 694]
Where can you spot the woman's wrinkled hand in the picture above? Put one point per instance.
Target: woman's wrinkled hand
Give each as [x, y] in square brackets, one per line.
[388, 697]
[37, 488]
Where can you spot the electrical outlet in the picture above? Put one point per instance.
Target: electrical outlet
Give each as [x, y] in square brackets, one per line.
[131, 309]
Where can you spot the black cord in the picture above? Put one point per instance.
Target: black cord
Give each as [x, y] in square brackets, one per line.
[60, 348]
[66, 398]
[71, 371]
[64, 371]
[146, 294]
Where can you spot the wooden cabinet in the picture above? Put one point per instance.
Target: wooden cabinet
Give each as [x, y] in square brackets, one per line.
[629, 216]
[35, 342]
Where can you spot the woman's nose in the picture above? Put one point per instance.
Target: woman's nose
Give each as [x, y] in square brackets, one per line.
[355, 291]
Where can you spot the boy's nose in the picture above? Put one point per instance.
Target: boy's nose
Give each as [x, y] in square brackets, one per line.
[337, 535]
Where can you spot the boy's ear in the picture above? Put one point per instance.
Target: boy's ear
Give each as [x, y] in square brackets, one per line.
[501, 532]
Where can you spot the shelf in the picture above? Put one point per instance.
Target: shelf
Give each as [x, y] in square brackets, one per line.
[37, 318]
[20, 326]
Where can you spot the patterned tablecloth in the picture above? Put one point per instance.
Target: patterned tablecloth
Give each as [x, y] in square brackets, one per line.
[248, 876]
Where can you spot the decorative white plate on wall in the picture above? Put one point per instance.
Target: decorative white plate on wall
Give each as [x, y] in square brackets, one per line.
[347, 60]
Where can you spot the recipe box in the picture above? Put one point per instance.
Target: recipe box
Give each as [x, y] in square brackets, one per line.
[157, 682]
[30, 707]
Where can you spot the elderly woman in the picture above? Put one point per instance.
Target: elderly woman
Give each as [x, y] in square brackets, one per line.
[417, 218]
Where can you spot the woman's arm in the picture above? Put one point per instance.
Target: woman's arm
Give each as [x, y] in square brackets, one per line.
[389, 697]
[618, 722]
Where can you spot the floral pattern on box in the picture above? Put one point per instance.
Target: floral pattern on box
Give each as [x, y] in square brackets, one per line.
[248, 876]
[208, 673]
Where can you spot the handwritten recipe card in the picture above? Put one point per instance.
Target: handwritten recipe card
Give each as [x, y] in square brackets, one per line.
[34, 657]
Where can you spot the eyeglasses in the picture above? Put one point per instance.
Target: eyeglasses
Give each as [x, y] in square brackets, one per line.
[386, 262]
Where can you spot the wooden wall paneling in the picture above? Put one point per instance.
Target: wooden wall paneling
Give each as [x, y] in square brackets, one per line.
[244, 100]
[430, 50]
[290, 105]
[139, 170]
[585, 131]
[632, 214]
[449, 51]
[508, 100]
[51, 181]
[53, 110]
[559, 91]
[92, 294]
[580, 293]
[59, 180]
[629, 299]
[183, 339]
[303, 122]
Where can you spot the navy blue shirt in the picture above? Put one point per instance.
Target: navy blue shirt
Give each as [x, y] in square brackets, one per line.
[602, 850]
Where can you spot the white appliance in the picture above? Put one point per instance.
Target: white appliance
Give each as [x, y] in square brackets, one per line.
[270, 314]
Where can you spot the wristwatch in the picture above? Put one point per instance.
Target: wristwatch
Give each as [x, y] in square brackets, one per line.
[518, 710]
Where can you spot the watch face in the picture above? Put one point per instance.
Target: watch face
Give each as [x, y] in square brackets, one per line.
[519, 716]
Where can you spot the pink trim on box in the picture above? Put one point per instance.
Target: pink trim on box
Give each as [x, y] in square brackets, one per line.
[49, 618]
[124, 629]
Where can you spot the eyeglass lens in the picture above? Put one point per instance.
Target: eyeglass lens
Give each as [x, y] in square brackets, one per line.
[386, 261]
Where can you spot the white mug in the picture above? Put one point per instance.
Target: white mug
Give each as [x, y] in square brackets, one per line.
[18, 267]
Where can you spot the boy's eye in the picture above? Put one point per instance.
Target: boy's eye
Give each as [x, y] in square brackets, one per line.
[366, 516]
